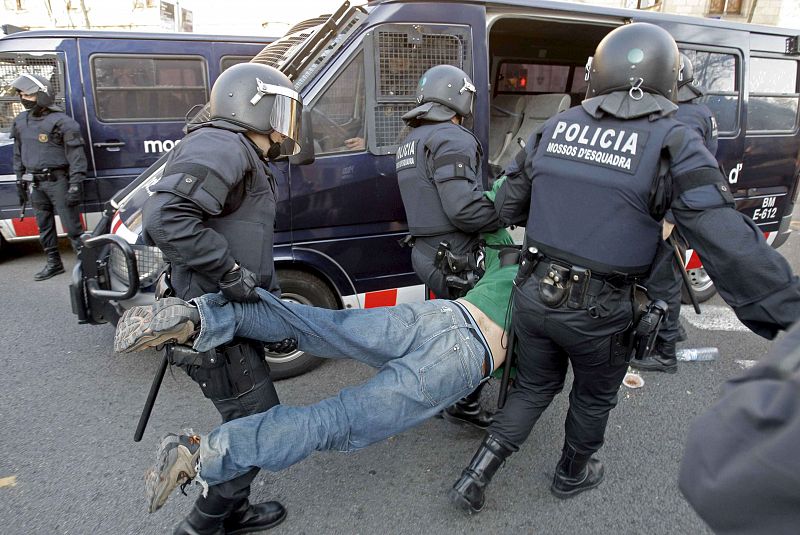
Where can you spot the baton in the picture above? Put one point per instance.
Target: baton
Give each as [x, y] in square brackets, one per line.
[151, 397]
[506, 377]
[684, 275]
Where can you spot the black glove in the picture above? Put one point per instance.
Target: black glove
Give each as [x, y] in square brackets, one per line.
[287, 345]
[74, 195]
[22, 191]
[239, 284]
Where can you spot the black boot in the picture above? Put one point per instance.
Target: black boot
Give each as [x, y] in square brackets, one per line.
[662, 359]
[468, 410]
[199, 523]
[575, 472]
[468, 491]
[53, 266]
[247, 517]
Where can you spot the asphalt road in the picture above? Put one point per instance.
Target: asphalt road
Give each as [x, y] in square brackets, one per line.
[68, 463]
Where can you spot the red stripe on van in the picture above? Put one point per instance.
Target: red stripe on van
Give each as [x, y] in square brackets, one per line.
[27, 227]
[383, 298]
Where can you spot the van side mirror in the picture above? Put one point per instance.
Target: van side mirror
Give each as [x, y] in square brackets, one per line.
[306, 154]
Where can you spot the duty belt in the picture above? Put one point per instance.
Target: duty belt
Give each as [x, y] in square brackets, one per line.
[49, 175]
[560, 283]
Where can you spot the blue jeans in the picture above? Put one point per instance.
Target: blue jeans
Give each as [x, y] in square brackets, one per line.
[428, 356]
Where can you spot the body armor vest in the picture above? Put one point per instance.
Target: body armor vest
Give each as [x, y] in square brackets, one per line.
[247, 217]
[591, 188]
[42, 140]
[415, 171]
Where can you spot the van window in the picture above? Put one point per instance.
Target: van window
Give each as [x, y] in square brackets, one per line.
[531, 78]
[12, 65]
[229, 61]
[135, 88]
[404, 53]
[718, 74]
[338, 114]
[772, 106]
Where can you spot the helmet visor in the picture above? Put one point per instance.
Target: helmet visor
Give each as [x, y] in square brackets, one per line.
[285, 119]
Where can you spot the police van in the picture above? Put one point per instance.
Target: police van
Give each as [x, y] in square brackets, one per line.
[129, 92]
[340, 215]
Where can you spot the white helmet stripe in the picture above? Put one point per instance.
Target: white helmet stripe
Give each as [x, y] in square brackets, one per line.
[271, 89]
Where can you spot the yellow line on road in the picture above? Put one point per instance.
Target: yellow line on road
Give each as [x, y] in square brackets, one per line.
[10, 481]
[795, 225]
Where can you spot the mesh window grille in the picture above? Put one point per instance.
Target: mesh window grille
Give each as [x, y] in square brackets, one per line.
[11, 67]
[149, 261]
[403, 56]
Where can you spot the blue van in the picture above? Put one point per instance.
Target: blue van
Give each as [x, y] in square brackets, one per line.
[130, 93]
[340, 214]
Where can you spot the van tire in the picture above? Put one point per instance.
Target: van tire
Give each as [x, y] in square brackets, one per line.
[305, 288]
[702, 285]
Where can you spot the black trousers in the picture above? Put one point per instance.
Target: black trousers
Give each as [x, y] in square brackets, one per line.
[219, 385]
[665, 283]
[49, 198]
[548, 341]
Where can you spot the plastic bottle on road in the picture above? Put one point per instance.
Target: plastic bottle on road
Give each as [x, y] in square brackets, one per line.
[697, 353]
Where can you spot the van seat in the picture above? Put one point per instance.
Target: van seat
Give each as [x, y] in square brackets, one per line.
[505, 118]
[538, 109]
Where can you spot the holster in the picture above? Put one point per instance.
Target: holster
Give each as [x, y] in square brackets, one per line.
[186, 356]
[237, 369]
[638, 339]
[461, 271]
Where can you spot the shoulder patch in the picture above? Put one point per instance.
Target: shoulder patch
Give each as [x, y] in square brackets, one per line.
[406, 155]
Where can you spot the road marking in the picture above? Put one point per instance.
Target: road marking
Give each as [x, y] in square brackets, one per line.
[794, 224]
[713, 318]
[746, 364]
[10, 481]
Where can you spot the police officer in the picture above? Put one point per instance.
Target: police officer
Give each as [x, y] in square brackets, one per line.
[592, 197]
[439, 173]
[48, 151]
[212, 214]
[665, 280]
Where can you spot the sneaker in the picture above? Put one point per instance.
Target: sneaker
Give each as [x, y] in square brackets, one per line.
[168, 320]
[176, 464]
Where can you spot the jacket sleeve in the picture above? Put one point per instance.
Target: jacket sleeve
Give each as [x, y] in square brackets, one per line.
[454, 162]
[175, 224]
[751, 276]
[73, 150]
[513, 199]
[19, 169]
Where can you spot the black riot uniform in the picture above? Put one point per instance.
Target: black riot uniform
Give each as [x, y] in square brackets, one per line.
[439, 174]
[592, 197]
[49, 159]
[212, 214]
[665, 278]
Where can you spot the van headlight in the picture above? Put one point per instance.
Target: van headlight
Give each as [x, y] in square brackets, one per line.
[149, 262]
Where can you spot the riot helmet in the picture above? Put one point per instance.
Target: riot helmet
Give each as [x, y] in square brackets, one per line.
[636, 58]
[688, 88]
[259, 98]
[443, 92]
[33, 84]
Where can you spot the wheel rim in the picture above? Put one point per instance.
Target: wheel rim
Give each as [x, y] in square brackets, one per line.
[700, 279]
[286, 358]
